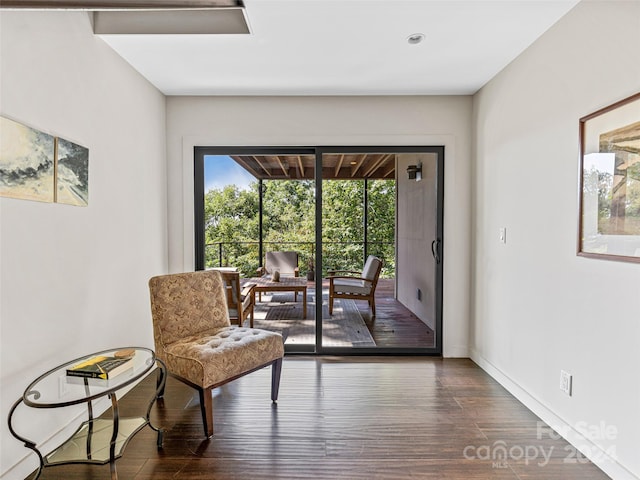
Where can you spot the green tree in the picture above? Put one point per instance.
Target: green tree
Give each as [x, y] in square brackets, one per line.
[232, 223]
[342, 223]
[382, 222]
[231, 220]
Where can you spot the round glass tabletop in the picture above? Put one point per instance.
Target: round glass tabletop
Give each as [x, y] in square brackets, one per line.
[56, 388]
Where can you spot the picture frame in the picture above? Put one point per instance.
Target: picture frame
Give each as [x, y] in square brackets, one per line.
[609, 200]
[38, 166]
[27, 162]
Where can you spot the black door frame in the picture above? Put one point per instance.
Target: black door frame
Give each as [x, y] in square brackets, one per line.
[201, 151]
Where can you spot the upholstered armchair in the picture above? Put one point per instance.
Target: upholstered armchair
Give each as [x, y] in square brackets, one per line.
[194, 337]
[356, 285]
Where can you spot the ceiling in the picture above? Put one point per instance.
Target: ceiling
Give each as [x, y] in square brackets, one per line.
[335, 166]
[346, 47]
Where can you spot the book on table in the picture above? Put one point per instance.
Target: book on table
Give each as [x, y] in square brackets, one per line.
[101, 366]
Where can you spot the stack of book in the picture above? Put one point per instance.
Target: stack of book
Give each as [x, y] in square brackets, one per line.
[101, 366]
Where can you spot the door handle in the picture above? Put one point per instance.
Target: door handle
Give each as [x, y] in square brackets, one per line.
[435, 250]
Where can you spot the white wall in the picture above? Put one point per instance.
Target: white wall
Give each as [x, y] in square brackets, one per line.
[537, 307]
[417, 200]
[312, 121]
[74, 279]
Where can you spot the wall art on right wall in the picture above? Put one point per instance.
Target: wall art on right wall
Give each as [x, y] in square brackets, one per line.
[610, 182]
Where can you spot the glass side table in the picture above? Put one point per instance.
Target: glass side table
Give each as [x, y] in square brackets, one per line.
[97, 440]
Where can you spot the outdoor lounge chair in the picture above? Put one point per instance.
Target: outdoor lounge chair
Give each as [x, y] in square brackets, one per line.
[284, 262]
[240, 300]
[356, 285]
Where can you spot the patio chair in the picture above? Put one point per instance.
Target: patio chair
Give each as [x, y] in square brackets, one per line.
[240, 300]
[284, 262]
[194, 337]
[356, 285]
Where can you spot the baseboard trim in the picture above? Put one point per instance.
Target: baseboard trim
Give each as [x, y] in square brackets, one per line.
[590, 450]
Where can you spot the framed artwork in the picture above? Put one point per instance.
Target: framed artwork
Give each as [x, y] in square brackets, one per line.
[72, 173]
[27, 158]
[609, 219]
[37, 166]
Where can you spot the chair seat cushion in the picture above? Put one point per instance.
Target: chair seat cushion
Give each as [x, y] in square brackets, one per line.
[358, 287]
[218, 355]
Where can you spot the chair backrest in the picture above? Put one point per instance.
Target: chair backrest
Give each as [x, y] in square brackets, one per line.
[232, 284]
[285, 262]
[186, 304]
[372, 268]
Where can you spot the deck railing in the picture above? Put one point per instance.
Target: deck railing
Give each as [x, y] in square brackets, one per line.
[335, 255]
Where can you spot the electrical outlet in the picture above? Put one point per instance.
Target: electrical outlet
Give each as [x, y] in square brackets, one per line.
[566, 382]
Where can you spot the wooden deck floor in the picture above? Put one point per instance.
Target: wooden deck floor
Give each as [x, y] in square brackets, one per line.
[394, 326]
[346, 419]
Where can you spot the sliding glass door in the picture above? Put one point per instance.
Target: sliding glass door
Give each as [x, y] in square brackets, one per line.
[255, 214]
[374, 214]
[378, 227]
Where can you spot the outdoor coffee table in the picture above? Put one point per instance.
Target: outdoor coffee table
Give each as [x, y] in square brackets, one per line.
[285, 284]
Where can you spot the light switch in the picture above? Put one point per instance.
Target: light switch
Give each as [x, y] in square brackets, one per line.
[503, 235]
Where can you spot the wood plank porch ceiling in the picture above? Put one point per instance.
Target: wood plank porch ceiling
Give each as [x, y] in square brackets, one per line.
[356, 166]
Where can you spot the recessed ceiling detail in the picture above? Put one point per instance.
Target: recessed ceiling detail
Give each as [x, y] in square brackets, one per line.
[415, 38]
[346, 47]
[171, 22]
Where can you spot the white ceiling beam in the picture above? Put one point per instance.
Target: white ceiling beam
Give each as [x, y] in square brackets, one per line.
[96, 5]
[171, 22]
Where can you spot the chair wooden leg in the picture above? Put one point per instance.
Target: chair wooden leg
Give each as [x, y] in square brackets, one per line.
[330, 304]
[276, 369]
[251, 317]
[206, 406]
[372, 302]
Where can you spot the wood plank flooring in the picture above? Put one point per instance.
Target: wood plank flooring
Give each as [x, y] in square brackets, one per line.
[344, 418]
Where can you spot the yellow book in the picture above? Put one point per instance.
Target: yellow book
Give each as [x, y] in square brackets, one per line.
[101, 367]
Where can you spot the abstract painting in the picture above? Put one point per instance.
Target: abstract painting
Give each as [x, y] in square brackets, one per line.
[38, 166]
[26, 162]
[72, 173]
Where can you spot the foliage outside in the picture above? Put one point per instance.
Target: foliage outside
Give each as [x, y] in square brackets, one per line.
[624, 194]
[232, 224]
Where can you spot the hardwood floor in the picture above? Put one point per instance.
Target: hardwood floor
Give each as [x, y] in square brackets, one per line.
[345, 418]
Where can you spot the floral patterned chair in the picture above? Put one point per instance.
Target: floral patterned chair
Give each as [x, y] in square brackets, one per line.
[194, 337]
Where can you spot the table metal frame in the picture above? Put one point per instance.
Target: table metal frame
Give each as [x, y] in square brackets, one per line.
[88, 428]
